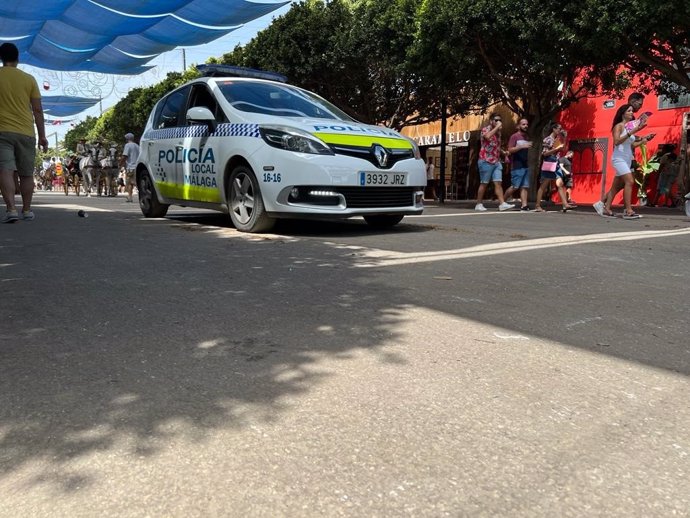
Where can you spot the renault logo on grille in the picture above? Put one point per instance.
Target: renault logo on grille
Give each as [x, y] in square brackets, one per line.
[381, 154]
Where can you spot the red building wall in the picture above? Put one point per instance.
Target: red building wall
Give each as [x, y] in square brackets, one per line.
[589, 136]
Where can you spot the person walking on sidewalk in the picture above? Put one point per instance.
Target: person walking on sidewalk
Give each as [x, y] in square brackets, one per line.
[20, 109]
[550, 151]
[624, 141]
[489, 164]
[518, 147]
[128, 160]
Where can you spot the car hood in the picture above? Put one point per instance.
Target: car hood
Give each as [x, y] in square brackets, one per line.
[355, 134]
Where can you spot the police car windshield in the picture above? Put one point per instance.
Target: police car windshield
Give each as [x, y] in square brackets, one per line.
[279, 100]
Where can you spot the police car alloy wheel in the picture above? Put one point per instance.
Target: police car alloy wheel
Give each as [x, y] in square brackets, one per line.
[245, 203]
[148, 201]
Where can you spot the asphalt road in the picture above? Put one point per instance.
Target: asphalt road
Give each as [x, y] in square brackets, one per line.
[460, 364]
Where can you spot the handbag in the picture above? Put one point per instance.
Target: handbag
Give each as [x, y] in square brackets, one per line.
[549, 167]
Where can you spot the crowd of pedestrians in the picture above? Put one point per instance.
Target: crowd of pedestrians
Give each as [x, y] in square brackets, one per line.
[102, 170]
[93, 169]
[555, 164]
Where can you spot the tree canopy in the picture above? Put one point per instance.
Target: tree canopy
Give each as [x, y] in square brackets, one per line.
[392, 62]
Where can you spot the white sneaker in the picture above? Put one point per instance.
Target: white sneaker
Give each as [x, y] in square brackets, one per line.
[599, 207]
[10, 216]
[505, 206]
[480, 207]
[28, 215]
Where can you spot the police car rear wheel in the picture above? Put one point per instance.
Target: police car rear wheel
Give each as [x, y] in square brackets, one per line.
[383, 221]
[246, 205]
[148, 201]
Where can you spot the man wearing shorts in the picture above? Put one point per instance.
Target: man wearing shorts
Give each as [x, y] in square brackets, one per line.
[20, 108]
[518, 147]
[489, 164]
[130, 155]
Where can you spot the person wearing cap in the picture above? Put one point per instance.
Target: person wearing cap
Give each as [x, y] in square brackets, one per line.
[20, 110]
[128, 160]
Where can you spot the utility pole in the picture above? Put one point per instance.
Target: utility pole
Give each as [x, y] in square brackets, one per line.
[55, 134]
[442, 164]
[184, 60]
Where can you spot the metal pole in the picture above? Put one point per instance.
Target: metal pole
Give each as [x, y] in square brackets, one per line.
[442, 165]
[184, 60]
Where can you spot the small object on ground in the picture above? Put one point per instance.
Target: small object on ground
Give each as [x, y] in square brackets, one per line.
[82, 214]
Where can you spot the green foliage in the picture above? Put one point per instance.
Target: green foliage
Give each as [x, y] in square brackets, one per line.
[525, 54]
[650, 38]
[80, 131]
[394, 61]
[355, 54]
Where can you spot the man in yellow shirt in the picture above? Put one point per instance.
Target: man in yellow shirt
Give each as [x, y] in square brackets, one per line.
[20, 108]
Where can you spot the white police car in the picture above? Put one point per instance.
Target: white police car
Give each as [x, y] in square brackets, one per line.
[241, 141]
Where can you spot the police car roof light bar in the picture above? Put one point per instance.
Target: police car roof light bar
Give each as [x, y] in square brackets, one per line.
[211, 70]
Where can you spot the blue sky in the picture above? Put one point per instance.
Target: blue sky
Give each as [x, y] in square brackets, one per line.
[113, 87]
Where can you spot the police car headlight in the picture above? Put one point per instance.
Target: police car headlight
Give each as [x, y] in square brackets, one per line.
[293, 139]
[415, 149]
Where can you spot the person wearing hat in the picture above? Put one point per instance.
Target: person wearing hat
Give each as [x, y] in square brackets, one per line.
[128, 160]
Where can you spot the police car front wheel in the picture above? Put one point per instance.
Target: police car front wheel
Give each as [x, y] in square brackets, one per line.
[245, 204]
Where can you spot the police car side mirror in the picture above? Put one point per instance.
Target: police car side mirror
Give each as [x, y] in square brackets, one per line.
[202, 115]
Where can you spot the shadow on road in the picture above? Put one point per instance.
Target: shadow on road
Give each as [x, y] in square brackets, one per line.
[124, 330]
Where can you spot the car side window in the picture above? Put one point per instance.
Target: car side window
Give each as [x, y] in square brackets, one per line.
[169, 114]
[202, 96]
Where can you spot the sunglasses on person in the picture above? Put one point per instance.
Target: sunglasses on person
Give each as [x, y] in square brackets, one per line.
[497, 120]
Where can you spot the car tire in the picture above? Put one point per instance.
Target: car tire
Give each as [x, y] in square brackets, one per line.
[383, 221]
[148, 199]
[245, 204]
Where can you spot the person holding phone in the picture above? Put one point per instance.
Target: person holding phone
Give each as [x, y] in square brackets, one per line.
[489, 164]
[624, 141]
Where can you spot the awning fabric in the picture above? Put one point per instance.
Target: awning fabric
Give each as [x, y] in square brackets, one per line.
[118, 36]
[66, 105]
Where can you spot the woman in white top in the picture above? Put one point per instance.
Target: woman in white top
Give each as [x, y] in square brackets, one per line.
[624, 141]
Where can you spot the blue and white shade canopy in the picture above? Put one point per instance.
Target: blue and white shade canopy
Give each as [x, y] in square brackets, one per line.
[118, 36]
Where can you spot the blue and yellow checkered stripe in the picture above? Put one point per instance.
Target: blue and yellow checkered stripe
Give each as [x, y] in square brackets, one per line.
[201, 130]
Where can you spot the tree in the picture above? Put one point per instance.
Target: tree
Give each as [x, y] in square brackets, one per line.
[354, 53]
[80, 131]
[647, 37]
[526, 55]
